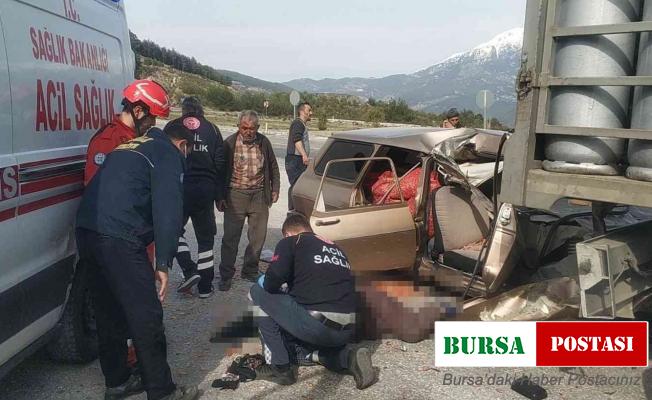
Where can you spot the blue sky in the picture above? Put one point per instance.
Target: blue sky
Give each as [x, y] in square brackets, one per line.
[288, 39]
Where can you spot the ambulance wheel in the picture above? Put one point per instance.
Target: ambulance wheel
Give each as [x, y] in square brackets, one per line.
[75, 340]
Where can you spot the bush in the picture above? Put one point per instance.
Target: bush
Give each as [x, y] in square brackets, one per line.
[249, 100]
[322, 122]
[221, 98]
[375, 116]
[190, 87]
[398, 111]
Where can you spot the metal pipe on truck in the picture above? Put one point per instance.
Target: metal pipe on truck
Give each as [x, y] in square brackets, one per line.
[599, 106]
[639, 152]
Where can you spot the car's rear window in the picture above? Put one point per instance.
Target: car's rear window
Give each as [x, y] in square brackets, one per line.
[343, 149]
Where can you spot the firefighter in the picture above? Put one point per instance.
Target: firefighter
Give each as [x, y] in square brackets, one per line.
[143, 101]
[203, 186]
[314, 315]
[134, 199]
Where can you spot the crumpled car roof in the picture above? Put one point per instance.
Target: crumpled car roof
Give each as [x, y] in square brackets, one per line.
[412, 138]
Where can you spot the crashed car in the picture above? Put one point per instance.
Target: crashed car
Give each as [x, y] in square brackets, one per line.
[414, 209]
[355, 193]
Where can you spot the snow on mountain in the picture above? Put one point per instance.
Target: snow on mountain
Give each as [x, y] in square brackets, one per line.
[452, 82]
[506, 42]
[502, 46]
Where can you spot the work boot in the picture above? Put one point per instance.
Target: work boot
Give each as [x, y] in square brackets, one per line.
[282, 375]
[183, 393]
[188, 283]
[361, 368]
[206, 293]
[225, 285]
[132, 386]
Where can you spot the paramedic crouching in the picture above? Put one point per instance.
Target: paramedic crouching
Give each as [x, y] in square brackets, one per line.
[313, 322]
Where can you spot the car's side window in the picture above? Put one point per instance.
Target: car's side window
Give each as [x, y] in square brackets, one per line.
[404, 160]
[340, 150]
[378, 187]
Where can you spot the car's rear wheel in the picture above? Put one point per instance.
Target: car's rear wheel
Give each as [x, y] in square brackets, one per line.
[76, 337]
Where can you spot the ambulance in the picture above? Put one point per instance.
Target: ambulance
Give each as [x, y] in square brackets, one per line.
[63, 65]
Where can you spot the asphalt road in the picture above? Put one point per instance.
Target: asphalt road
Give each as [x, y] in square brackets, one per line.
[406, 370]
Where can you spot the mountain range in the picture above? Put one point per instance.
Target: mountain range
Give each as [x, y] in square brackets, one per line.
[453, 82]
[249, 82]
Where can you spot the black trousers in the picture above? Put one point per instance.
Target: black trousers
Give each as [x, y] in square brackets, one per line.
[126, 304]
[198, 207]
[294, 167]
[290, 334]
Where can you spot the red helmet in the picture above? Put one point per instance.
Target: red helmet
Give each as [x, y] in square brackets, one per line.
[150, 93]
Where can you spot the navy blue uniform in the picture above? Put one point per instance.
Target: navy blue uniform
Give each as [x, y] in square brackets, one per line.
[135, 198]
[317, 272]
[137, 195]
[204, 184]
[319, 279]
[206, 163]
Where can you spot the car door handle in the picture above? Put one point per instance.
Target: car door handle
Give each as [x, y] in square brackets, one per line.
[328, 222]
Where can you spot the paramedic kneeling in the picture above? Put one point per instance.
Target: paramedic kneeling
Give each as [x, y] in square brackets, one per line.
[314, 321]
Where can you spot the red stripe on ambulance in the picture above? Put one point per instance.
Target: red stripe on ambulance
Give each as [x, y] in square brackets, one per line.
[51, 183]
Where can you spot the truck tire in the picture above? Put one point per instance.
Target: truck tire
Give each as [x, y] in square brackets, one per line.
[75, 340]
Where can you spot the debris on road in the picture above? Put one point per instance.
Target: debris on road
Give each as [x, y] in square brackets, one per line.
[527, 388]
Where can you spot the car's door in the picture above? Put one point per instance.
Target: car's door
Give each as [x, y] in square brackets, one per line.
[501, 252]
[502, 256]
[376, 229]
[341, 179]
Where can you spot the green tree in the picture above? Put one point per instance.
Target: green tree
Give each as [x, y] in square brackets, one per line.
[322, 121]
[221, 98]
[398, 111]
[375, 116]
[191, 87]
[249, 100]
[171, 57]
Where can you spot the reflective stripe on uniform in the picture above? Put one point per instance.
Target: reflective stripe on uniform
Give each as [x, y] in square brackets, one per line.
[205, 260]
[183, 246]
[205, 265]
[205, 254]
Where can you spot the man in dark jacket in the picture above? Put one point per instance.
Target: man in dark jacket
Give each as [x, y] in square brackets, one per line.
[134, 199]
[253, 182]
[311, 321]
[203, 187]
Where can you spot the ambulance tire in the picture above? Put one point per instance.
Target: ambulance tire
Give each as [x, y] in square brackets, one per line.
[75, 340]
